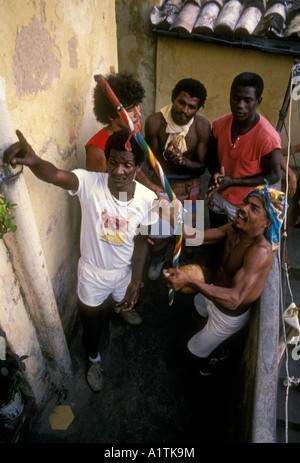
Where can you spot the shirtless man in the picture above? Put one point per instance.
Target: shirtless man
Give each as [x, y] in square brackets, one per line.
[178, 138]
[249, 244]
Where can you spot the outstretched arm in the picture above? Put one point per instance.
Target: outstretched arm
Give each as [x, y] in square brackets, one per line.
[23, 154]
[248, 280]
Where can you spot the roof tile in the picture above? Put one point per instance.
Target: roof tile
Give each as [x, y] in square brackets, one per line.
[257, 18]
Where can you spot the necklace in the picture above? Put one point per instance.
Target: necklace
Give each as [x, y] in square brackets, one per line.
[122, 203]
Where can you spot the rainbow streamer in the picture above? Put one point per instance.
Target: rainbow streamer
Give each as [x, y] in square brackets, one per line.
[154, 163]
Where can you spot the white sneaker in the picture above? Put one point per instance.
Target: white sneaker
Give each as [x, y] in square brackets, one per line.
[155, 270]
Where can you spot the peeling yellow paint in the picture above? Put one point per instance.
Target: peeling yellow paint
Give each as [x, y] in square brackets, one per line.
[35, 66]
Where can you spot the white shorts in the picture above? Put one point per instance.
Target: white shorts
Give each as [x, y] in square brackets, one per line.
[96, 285]
[222, 206]
[219, 327]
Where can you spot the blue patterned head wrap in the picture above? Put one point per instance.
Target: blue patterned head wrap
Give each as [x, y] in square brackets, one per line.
[275, 204]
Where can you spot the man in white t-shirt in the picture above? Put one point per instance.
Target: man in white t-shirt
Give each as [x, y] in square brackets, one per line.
[116, 213]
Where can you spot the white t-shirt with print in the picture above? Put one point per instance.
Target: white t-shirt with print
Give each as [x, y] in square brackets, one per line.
[108, 226]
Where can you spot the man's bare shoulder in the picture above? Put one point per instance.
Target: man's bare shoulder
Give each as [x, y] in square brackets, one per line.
[202, 126]
[227, 229]
[201, 120]
[155, 118]
[260, 251]
[259, 247]
[155, 121]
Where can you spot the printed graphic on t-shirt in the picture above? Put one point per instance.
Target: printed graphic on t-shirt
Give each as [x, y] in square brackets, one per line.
[113, 228]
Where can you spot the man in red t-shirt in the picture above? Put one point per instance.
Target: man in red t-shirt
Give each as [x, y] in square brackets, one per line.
[245, 150]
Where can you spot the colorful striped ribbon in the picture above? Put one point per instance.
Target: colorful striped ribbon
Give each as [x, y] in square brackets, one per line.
[154, 163]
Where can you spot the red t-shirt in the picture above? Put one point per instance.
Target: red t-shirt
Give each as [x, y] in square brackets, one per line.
[99, 139]
[243, 159]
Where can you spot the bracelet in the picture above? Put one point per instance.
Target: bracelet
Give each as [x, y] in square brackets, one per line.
[163, 155]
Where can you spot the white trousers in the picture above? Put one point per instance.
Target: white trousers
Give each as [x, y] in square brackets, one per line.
[218, 328]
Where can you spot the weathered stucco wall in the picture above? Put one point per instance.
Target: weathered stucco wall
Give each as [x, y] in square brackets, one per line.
[137, 46]
[51, 50]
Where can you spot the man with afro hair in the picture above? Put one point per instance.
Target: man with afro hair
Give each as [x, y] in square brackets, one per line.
[130, 92]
